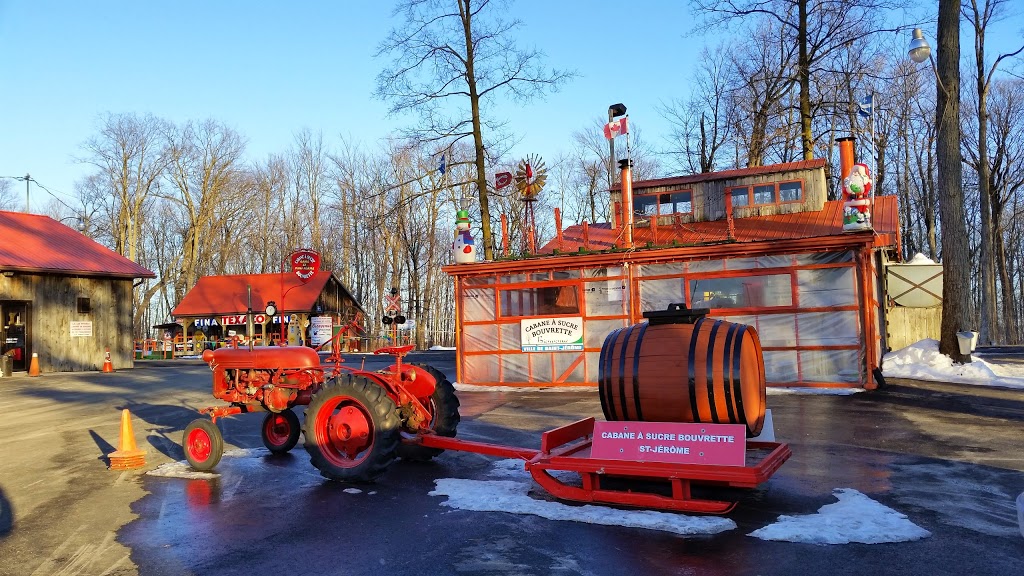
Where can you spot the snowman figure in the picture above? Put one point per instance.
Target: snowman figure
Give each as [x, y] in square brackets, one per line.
[463, 248]
[857, 199]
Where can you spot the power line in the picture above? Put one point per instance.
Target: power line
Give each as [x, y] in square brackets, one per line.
[28, 178]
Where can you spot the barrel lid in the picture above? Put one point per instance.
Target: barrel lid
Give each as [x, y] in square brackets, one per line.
[676, 313]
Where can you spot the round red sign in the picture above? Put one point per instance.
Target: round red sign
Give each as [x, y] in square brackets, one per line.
[305, 263]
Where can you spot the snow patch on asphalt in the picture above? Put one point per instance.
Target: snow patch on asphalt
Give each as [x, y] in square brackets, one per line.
[182, 469]
[855, 518]
[511, 493]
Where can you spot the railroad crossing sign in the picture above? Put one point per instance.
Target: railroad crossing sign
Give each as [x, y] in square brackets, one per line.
[393, 308]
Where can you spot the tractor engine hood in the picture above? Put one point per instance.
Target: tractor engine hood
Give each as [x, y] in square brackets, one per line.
[262, 357]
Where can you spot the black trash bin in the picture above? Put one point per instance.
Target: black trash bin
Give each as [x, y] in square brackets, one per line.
[6, 365]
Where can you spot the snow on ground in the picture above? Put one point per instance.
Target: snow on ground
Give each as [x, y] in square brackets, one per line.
[182, 469]
[511, 494]
[922, 361]
[855, 518]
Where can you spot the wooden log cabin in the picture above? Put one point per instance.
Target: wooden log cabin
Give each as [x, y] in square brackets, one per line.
[759, 246]
[63, 297]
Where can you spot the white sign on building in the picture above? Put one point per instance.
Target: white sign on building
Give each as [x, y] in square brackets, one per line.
[551, 334]
[81, 328]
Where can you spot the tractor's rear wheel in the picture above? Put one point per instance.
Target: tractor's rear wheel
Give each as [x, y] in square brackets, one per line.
[443, 406]
[203, 444]
[351, 429]
[280, 431]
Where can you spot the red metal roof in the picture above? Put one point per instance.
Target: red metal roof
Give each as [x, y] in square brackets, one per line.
[729, 174]
[39, 244]
[213, 295]
[827, 222]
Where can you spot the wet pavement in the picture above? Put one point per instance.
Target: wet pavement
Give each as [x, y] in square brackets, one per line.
[947, 456]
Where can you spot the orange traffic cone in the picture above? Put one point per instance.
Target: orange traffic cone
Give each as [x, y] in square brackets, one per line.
[128, 455]
[33, 368]
[107, 366]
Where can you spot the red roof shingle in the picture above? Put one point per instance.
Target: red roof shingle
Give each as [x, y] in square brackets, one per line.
[827, 222]
[39, 244]
[213, 295]
[729, 174]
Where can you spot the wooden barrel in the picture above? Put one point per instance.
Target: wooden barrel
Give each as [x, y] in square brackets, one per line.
[709, 371]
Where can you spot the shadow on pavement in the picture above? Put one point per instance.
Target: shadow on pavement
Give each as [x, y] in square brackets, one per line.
[6, 514]
[962, 398]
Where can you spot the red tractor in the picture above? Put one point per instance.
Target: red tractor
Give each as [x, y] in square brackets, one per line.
[355, 420]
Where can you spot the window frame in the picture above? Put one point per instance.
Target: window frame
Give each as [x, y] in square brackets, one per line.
[657, 201]
[776, 194]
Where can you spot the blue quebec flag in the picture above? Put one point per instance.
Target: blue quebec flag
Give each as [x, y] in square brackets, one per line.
[442, 166]
[866, 106]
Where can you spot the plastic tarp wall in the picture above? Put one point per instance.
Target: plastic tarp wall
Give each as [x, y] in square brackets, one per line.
[491, 339]
[795, 338]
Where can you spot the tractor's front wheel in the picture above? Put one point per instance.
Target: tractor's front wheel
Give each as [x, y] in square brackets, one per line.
[280, 431]
[351, 429]
[443, 406]
[203, 444]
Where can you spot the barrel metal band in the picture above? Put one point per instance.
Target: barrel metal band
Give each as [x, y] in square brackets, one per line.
[636, 370]
[727, 370]
[709, 375]
[692, 371]
[737, 385]
[622, 372]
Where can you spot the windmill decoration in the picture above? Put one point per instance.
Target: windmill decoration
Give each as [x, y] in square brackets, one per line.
[531, 174]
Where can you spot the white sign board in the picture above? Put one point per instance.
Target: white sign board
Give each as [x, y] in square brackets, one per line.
[81, 328]
[551, 334]
[320, 329]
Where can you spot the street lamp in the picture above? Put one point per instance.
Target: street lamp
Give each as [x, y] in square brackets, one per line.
[919, 49]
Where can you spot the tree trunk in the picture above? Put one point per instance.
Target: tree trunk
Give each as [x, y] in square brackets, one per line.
[478, 139]
[955, 252]
[804, 74]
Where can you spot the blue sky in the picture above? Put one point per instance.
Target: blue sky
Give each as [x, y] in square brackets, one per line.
[269, 69]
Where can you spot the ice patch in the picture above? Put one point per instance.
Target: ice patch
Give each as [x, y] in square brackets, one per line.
[855, 518]
[182, 469]
[512, 495]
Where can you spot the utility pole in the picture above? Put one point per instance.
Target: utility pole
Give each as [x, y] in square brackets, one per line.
[28, 178]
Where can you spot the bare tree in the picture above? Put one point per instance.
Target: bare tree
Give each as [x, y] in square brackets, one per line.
[7, 197]
[980, 16]
[703, 122]
[815, 29]
[449, 59]
[130, 153]
[205, 159]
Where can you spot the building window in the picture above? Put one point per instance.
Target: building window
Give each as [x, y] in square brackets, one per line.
[84, 306]
[764, 194]
[664, 204]
[539, 301]
[742, 292]
[740, 196]
[791, 192]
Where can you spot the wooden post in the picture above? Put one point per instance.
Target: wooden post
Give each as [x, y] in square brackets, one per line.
[558, 227]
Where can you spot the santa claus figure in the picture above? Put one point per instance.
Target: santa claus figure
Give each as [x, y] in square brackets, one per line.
[463, 248]
[857, 199]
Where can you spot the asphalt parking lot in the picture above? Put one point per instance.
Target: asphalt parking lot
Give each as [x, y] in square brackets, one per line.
[947, 457]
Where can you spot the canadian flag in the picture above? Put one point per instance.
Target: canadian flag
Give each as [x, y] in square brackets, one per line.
[616, 128]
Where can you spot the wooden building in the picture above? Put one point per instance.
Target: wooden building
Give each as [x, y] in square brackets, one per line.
[759, 246]
[63, 296]
[217, 307]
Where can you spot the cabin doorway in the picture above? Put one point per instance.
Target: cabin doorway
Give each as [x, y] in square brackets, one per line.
[14, 338]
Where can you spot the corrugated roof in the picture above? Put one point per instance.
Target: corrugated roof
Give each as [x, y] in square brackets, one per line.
[730, 174]
[827, 222]
[213, 295]
[40, 244]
